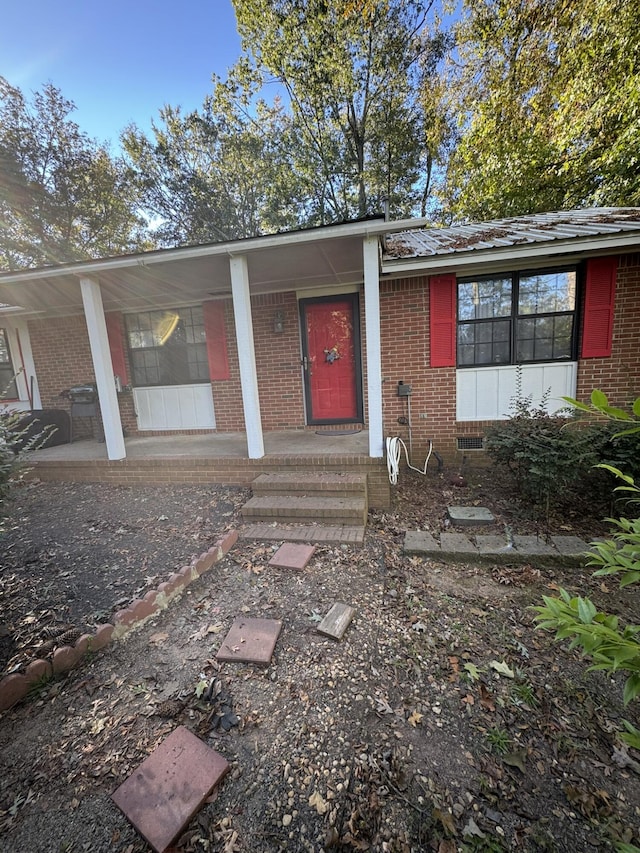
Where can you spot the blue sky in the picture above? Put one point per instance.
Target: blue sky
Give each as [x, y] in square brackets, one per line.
[121, 60]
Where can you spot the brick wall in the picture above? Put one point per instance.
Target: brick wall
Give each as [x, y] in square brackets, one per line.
[619, 375]
[404, 311]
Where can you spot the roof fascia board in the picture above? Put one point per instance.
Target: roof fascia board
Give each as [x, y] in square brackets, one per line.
[476, 258]
[232, 249]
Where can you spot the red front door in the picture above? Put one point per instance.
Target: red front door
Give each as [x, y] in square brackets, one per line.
[331, 359]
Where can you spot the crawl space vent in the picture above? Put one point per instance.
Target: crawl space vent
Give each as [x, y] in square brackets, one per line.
[471, 442]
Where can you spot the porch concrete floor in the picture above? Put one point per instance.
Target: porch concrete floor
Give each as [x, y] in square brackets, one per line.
[214, 445]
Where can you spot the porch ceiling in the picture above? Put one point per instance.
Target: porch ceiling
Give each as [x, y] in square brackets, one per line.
[168, 278]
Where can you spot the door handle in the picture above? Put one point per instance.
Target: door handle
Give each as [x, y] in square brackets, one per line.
[305, 364]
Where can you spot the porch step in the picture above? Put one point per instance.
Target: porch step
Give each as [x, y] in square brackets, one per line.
[322, 484]
[300, 508]
[330, 535]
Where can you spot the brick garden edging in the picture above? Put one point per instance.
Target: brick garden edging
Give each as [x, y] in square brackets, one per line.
[15, 687]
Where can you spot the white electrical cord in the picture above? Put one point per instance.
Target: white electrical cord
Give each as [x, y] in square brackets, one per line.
[393, 458]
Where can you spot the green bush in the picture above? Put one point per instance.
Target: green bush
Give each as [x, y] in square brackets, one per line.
[552, 460]
[612, 647]
[15, 448]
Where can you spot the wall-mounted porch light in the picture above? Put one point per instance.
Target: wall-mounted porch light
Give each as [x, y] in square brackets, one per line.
[278, 322]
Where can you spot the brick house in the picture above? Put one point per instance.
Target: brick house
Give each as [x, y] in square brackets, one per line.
[318, 328]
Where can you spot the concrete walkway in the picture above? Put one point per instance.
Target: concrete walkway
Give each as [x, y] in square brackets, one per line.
[494, 548]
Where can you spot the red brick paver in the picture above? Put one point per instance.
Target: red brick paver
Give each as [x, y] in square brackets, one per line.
[169, 787]
[250, 640]
[290, 556]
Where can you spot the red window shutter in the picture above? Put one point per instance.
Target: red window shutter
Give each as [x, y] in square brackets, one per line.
[116, 345]
[442, 320]
[599, 303]
[216, 340]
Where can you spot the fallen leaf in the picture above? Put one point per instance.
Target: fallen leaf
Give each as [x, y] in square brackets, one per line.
[415, 718]
[158, 638]
[515, 759]
[446, 820]
[472, 671]
[472, 828]
[502, 667]
[320, 805]
[486, 700]
[98, 725]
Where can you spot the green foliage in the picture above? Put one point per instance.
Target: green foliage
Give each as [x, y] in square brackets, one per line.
[554, 461]
[499, 740]
[219, 173]
[599, 635]
[62, 196]
[631, 735]
[547, 98]
[365, 95]
[619, 555]
[15, 448]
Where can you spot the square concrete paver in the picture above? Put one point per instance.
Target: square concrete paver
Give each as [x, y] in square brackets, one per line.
[250, 640]
[533, 545]
[456, 543]
[570, 546]
[169, 787]
[420, 542]
[492, 544]
[470, 516]
[292, 556]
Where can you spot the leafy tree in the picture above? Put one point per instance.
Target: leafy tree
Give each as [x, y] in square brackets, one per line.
[548, 102]
[217, 173]
[62, 196]
[357, 75]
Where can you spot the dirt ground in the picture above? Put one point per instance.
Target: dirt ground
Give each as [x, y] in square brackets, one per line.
[442, 721]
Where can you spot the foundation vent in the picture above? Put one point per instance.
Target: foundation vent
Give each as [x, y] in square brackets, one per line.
[470, 442]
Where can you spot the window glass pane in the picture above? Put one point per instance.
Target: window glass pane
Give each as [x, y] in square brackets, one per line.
[480, 300]
[8, 387]
[545, 338]
[484, 343]
[545, 293]
[168, 347]
[4, 348]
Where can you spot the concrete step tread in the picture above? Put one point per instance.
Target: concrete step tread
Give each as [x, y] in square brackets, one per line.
[304, 502]
[329, 534]
[339, 485]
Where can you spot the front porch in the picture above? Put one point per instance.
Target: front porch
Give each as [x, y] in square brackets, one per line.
[216, 458]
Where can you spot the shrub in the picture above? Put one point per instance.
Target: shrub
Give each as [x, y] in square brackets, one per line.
[552, 460]
[15, 447]
[612, 647]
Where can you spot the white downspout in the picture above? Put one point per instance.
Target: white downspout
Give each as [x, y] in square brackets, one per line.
[101, 355]
[246, 355]
[374, 357]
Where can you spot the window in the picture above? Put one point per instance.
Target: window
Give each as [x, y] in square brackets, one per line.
[8, 387]
[517, 318]
[167, 347]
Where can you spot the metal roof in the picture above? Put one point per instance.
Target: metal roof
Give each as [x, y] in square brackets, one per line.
[514, 231]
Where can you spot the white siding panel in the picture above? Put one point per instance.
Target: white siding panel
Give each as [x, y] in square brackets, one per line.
[485, 393]
[175, 407]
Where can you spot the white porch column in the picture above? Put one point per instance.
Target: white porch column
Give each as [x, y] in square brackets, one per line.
[374, 360]
[246, 355]
[97, 328]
